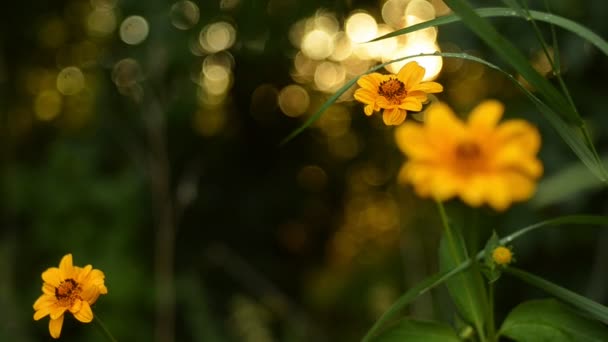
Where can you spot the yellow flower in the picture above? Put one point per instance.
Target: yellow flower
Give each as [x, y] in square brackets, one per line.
[68, 288]
[502, 256]
[395, 94]
[480, 160]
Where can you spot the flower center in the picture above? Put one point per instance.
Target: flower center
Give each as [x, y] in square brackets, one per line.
[67, 290]
[393, 90]
[468, 151]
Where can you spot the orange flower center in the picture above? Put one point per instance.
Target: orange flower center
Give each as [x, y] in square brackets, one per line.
[468, 151]
[469, 157]
[67, 291]
[393, 90]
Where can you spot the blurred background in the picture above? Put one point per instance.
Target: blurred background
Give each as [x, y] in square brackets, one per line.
[143, 137]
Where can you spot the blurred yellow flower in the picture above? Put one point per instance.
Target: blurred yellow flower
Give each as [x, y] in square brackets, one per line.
[480, 160]
[395, 94]
[68, 288]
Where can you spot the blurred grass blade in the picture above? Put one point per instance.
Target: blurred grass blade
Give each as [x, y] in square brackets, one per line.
[490, 12]
[511, 55]
[570, 180]
[418, 331]
[573, 219]
[594, 309]
[413, 293]
[507, 51]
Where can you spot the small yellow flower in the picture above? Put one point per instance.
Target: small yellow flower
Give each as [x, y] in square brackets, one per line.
[395, 94]
[480, 160]
[502, 256]
[68, 288]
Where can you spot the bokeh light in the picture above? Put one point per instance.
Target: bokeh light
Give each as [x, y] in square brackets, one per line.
[101, 22]
[217, 37]
[70, 81]
[329, 76]
[294, 100]
[184, 14]
[317, 44]
[361, 27]
[47, 105]
[134, 30]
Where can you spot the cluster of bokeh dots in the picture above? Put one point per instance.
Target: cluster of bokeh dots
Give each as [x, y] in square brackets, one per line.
[329, 54]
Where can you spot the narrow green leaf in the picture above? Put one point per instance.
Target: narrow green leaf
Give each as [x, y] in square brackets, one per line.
[466, 289]
[570, 180]
[549, 320]
[418, 331]
[413, 293]
[556, 20]
[586, 305]
[558, 221]
[511, 55]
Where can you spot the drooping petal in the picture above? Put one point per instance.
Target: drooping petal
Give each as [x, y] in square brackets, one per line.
[55, 327]
[57, 310]
[85, 314]
[42, 312]
[393, 116]
[411, 74]
[76, 306]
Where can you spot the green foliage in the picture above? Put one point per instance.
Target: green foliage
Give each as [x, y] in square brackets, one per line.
[418, 331]
[466, 289]
[592, 308]
[490, 269]
[549, 320]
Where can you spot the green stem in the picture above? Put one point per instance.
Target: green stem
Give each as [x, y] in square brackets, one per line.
[104, 329]
[491, 327]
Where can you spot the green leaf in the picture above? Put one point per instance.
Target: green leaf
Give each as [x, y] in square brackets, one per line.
[418, 331]
[568, 181]
[413, 293]
[549, 320]
[556, 20]
[586, 305]
[466, 289]
[490, 269]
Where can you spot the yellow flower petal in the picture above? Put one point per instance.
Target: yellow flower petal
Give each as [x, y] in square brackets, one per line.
[486, 115]
[393, 116]
[55, 327]
[52, 276]
[411, 74]
[85, 314]
[427, 87]
[65, 266]
[57, 310]
[365, 96]
[371, 81]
